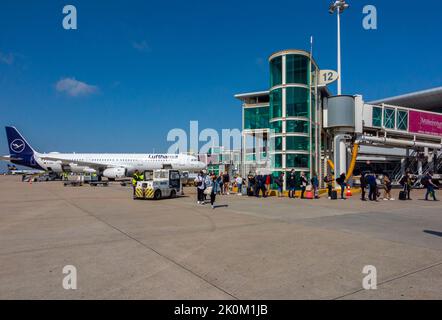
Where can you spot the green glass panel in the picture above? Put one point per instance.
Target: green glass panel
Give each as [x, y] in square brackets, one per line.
[276, 71]
[402, 120]
[297, 143]
[297, 67]
[256, 118]
[278, 143]
[389, 118]
[297, 160]
[377, 116]
[297, 102]
[276, 103]
[276, 126]
[277, 161]
[297, 126]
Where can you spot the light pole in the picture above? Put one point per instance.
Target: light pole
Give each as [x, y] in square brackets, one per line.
[339, 6]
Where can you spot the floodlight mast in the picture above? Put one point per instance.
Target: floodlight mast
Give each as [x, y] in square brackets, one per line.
[338, 6]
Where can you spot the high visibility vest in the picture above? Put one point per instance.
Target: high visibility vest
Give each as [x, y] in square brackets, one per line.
[135, 178]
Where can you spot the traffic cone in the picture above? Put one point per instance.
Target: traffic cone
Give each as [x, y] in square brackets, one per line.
[348, 193]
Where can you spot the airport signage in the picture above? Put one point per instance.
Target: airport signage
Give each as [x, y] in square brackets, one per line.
[425, 123]
[327, 77]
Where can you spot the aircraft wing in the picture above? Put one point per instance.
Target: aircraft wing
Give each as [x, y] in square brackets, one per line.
[92, 165]
[8, 158]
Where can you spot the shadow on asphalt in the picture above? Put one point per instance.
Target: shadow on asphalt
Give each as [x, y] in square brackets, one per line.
[434, 233]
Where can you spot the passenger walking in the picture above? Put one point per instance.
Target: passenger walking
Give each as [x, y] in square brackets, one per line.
[280, 182]
[251, 181]
[342, 184]
[268, 182]
[371, 181]
[430, 185]
[291, 183]
[406, 183]
[219, 180]
[207, 183]
[304, 184]
[226, 183]
[315, 184]
[363, 182]
[387, 187]
[260, 186]
[328, 179]
[215, 189]
[199, 182]
[238, 181]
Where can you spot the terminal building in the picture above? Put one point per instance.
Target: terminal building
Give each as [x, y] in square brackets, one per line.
[298, 124]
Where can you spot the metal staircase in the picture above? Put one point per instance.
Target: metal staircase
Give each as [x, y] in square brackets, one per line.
[397, 173]
[427, 168]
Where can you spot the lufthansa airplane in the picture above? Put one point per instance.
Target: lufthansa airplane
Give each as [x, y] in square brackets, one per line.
[110, 165]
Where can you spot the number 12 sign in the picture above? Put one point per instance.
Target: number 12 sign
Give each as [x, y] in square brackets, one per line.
[327, 76]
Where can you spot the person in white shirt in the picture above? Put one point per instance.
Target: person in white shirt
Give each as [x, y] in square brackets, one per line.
[200, 186]
[239, 181]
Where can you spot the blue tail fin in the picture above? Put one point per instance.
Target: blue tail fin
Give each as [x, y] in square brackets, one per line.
[18, 146]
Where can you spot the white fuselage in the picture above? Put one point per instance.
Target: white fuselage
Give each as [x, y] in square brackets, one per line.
[129, 162]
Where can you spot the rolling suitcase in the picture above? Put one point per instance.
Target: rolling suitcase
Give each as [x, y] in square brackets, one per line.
[402, 195]
[334, 195]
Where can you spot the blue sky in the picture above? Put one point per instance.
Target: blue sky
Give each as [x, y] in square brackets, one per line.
[145, 67]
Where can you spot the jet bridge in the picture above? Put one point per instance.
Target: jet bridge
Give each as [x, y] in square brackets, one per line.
[350, 124]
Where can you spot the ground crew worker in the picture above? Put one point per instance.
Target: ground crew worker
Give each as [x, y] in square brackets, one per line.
[135, 178]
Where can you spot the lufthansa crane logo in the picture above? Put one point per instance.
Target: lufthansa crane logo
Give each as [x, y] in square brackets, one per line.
[18, 145]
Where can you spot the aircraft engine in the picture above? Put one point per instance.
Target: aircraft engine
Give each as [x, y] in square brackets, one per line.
[114, 173]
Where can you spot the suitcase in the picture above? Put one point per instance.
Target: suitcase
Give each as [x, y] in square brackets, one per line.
[402, 195]
[334, 195]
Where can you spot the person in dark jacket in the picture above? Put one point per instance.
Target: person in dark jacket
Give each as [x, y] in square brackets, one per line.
[407, 183]
[280, 182]
[260, 185]
[251, 180]
[371, 181]
[363, 181]
[342, 184]
[315, 184]
[291, 183]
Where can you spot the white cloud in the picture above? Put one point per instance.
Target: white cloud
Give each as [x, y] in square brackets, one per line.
[75, 88]
[141, 46]
[7, 58]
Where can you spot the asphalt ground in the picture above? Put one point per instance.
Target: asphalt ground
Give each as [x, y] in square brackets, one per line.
[245, 248]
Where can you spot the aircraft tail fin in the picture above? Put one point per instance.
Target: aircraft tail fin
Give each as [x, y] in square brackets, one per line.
[17, 143]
